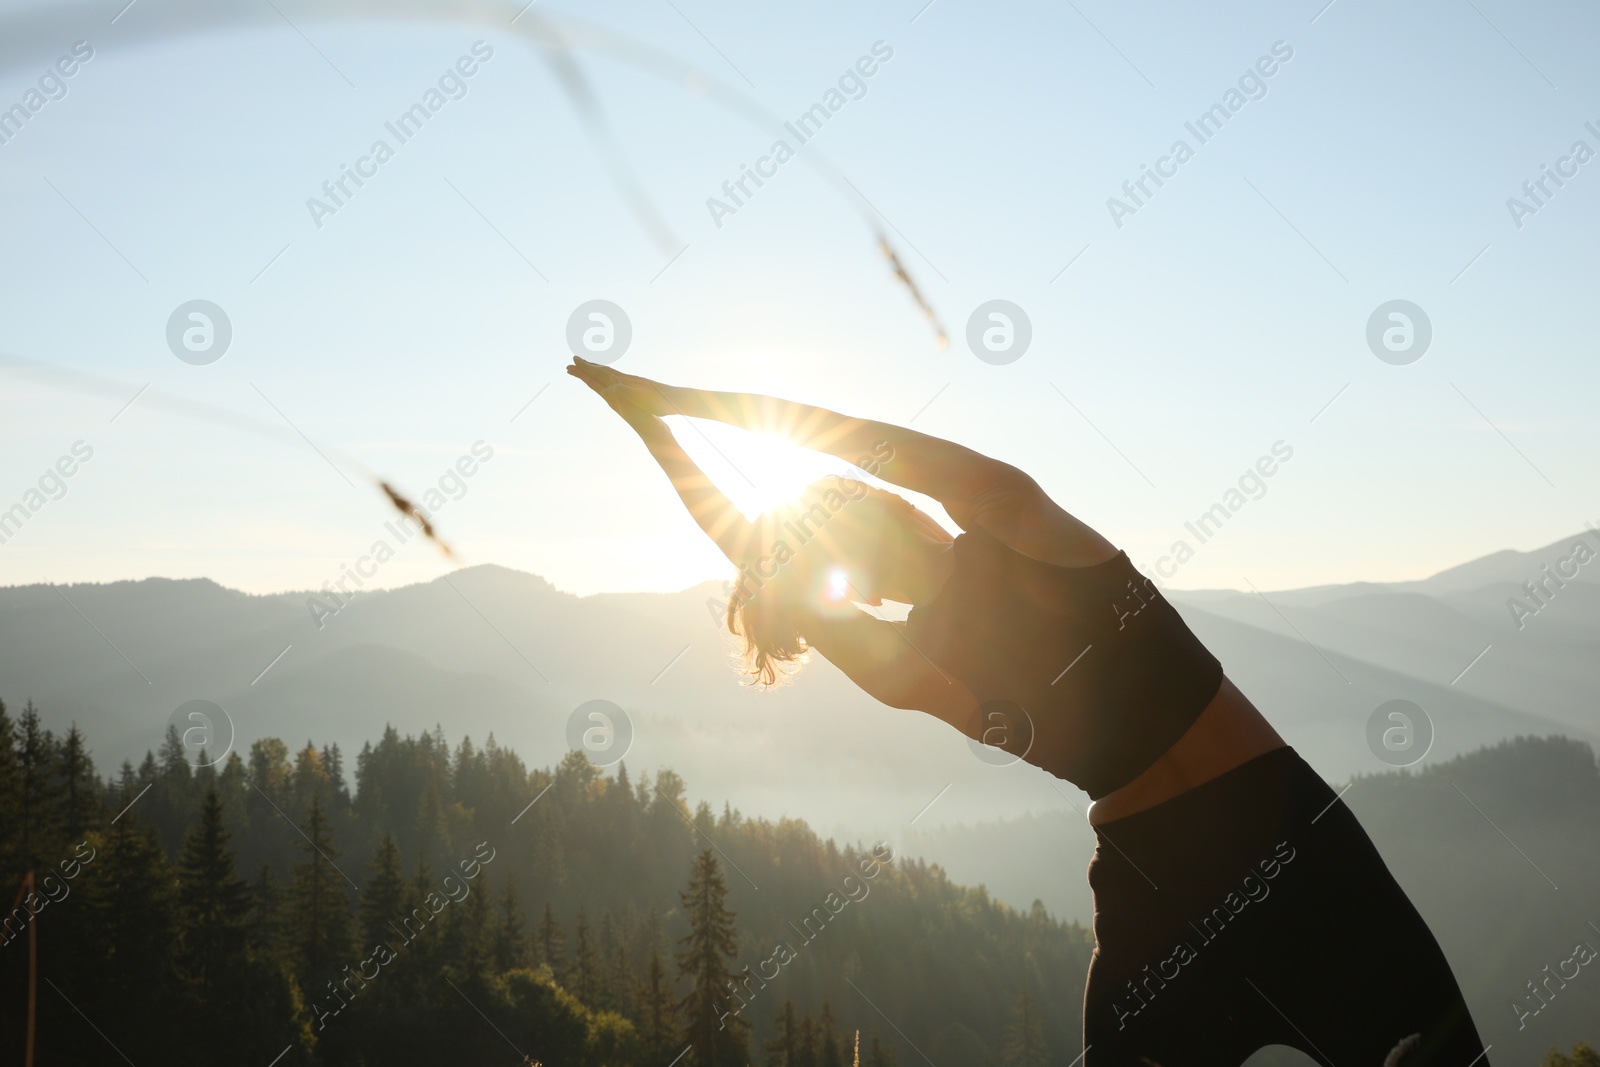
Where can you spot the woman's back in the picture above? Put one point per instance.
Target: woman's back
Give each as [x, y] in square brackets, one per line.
[1104, 671]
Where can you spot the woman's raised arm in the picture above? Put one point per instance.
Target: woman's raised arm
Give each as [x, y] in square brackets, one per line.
[973, 488]
[710, 509]
[944, 470]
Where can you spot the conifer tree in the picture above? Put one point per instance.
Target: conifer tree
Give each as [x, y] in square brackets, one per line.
[266, 912]
[310, 781]
[1022, 1043]
[828, 1053]
[131, 931]
[806, 1053]
[657, 1011]
[718, 1037]
[35, 788]
[79, 800]
[470, 918]
[623, 984]
[586, 979]
[230, 974]
[783, 1045]
[175, 795]
[432, 829]
[213, 902]
[510, 934]
[383, 897]
[419, 922]
[552, 946]
[10, 863]
[333, 764]
[321, 910]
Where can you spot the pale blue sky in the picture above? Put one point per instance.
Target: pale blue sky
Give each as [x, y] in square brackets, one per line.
[1172, 354]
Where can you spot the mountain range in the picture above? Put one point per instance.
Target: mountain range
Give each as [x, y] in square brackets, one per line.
[486, 649]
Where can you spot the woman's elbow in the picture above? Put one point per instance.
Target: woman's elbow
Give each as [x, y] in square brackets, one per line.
[1009, 494]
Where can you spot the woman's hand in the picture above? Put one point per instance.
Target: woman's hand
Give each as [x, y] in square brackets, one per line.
[641, 403]
[649, 397]
[619, 397]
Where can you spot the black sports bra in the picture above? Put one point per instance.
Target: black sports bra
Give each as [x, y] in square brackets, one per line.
[1094, 671]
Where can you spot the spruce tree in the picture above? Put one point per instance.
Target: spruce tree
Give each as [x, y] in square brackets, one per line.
[379, 1013]
[321, 910]
[229, 973]
[424, 944]
[618, 983]
[607, 944]
[470, 919]
[35, 788]
[1022, 1043]
[10, 862]
[333, 763]
[175, 794]
[552, 946]
[213, 902]
[383, 897]
[266, 913]
[878, 1054]
[510, 934]
[409, 987]
[586, 977]
[130, 927]
[784, 1043]
[828, 1053]
[718, 1037]
[623, 984]
[79, 801]
[657, 1011]
[806, 1054]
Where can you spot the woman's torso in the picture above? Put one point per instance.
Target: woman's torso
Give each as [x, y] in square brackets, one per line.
[1229, 732]
[1117, 694]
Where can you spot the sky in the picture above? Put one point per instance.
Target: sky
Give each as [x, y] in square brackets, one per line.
[1177, 338]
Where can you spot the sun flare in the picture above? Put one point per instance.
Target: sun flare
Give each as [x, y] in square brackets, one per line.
[757, 472]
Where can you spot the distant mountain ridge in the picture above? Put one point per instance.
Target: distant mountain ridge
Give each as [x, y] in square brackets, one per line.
[488, 648]
[1508, 566]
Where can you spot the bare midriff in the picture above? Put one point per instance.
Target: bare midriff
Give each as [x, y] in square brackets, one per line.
[1230, 731]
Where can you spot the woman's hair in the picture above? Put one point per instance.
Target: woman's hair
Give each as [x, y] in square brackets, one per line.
[767, 612]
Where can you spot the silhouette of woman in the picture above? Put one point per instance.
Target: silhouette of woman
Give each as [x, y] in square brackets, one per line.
[1238, 902]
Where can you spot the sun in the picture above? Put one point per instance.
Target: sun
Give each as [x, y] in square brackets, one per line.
[757, 472]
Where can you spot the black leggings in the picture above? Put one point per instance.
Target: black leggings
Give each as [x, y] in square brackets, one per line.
[1253, 910]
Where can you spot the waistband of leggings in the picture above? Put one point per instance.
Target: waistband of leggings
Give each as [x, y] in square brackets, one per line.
[1241, 786]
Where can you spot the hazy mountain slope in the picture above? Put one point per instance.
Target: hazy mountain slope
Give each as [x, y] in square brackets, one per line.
[1543, 668]
[1320, 699]
[1505, 567]
[496, 648]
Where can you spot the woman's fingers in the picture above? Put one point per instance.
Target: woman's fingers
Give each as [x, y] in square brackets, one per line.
[618, 395]
[643, 393]
[589, 375]
[611, 374]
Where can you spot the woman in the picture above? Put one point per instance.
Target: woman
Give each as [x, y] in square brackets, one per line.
[1238, 902]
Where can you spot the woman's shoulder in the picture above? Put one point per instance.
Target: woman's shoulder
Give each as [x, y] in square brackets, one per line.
[978, 543]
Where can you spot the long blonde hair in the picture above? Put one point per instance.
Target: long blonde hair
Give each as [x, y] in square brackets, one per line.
[768, 613]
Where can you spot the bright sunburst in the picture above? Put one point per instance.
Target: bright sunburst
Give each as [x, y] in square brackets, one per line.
[756, 471]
